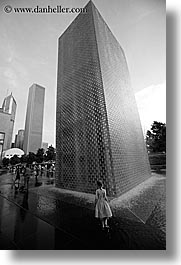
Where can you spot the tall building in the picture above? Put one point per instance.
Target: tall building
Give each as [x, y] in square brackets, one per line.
[7, 119]
[2, 136]
[34, 119]
[98, 129]
[16, 140]
[44, 146]
[19, 139]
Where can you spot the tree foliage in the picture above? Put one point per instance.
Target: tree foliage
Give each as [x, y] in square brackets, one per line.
[15, 160]
[24, 159]
[31, 157]
[39, 157]
[50, 153]
[5, 161]
[156, 137]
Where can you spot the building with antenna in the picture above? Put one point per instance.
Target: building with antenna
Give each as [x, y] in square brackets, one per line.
[7, 119]
[19, 139]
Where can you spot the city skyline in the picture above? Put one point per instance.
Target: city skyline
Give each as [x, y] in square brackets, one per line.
[90, 85]
[139, 27]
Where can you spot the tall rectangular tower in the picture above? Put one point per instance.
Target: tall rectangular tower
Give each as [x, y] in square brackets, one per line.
[19, 139]
[34, 119]
[98, 133]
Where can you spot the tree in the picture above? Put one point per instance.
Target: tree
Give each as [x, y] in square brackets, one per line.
[14, 160]
[5, 161]
[24, 159]
[156, 137]
[40, 155]
[50, 153]
[31, 157]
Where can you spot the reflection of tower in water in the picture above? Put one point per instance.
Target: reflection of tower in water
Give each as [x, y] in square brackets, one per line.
[23, 226]
[24, 205]
[32, 232]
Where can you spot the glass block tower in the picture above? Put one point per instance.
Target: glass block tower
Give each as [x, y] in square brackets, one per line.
[98, 130]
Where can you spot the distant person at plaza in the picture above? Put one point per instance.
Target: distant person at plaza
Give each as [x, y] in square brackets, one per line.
[14, 170]
[102, 208]
[36, 170]
[51, 171]
[41, 170]
[17, 175]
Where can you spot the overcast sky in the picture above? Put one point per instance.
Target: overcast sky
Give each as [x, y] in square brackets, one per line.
[28, 53]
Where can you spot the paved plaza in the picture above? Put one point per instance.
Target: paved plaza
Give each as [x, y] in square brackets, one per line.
[46, 217]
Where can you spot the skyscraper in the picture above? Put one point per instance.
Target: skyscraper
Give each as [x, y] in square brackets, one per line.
[44, 146]
[98, 133]
[19, 139]
[34, 119]
[7, 119]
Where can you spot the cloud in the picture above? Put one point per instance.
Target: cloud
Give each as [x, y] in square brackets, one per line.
[13, 70]
[12, 63]
[11, 77]
[151, 102]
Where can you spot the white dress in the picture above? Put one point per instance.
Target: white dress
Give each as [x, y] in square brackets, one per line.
[102, 209]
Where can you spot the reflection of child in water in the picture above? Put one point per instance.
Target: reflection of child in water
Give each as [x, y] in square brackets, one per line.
[102, 208]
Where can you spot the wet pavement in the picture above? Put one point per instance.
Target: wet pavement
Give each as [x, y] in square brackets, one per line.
[45, 217]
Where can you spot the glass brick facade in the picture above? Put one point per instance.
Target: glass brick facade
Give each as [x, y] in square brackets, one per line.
[98, 131]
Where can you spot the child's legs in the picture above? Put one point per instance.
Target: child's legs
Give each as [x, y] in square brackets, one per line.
[105, 221]
[102, 221]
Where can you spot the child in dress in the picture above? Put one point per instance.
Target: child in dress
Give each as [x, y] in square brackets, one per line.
[102, 208]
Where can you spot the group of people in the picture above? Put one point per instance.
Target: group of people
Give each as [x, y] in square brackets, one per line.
[102, 208]
[27, 170]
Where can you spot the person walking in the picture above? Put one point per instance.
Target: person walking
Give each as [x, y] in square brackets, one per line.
[102, 208]
[51, 171]
[41, 170]
[17, 176]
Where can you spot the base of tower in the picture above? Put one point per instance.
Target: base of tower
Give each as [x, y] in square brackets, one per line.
[137, 204]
